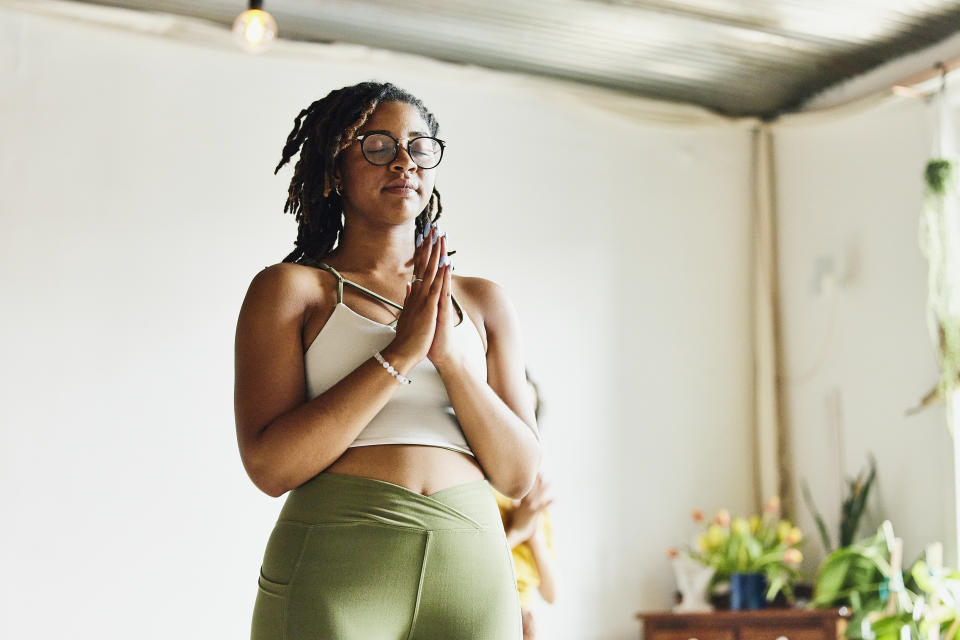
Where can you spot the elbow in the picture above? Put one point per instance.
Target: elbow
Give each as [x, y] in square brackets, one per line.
[524, 476]
[266, 482]
[520, 485]
[262, 473]
[272, 490]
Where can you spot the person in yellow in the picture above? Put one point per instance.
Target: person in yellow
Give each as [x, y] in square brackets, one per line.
[529, 534]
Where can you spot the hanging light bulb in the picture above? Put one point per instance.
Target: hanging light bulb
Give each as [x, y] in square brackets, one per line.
[255, 29]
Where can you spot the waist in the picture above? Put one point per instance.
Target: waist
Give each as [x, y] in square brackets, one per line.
[335, 499]
[421, 469]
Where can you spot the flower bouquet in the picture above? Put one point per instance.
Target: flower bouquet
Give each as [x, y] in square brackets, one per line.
[762, 545]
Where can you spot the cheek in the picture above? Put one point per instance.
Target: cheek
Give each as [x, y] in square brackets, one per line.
[428, 184]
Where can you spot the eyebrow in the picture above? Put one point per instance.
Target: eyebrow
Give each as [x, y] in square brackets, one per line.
[412, 134]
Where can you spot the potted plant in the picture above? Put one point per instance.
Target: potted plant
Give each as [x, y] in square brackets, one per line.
[758, 556]
[865, 577]
[852, 508]
[932, 610]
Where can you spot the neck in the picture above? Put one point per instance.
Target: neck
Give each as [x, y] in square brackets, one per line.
[385, 249]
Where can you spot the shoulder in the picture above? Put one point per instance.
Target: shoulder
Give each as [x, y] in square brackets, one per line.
[488, 297]
[490, 300]
[287, 284]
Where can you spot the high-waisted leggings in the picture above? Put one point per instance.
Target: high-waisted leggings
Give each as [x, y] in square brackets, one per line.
[354, 558]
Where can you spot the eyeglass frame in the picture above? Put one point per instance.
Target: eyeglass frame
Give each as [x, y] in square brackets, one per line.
[396, 148]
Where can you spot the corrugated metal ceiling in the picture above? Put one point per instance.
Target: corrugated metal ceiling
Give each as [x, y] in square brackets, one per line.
[736, 57]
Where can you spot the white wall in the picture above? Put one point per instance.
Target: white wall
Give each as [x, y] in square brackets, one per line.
[138, 201]
[850, 187]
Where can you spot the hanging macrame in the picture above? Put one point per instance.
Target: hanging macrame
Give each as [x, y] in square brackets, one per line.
[940, 242]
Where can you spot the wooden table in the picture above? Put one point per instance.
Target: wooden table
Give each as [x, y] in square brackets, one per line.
[760, 624]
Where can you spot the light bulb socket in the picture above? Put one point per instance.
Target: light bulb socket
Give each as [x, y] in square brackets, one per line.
[256, 4]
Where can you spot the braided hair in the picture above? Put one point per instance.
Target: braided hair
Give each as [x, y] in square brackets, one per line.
[320, 132]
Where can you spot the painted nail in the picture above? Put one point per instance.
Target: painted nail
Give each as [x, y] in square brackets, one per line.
[419, 239]
[436, 237]
[443, 261]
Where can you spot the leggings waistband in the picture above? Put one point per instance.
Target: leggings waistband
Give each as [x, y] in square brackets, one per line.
[334, 499]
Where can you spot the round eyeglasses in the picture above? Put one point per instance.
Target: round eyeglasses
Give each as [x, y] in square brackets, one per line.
[382, 148]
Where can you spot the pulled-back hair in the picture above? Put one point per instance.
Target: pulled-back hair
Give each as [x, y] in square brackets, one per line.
[320, 132]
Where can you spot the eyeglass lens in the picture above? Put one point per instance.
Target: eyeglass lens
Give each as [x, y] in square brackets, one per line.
[381, 149]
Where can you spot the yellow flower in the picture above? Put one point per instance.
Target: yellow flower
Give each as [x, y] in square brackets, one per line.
[754, 524]
[792, 556]
[715, 536]
[794, 536]
[783, 529]
[702, 542]
[741, 526]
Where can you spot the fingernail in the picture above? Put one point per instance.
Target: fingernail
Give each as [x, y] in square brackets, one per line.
[419, 239]
[436, 237]
[443, 261]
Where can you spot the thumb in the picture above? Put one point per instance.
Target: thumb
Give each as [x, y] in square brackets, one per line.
[406, 293]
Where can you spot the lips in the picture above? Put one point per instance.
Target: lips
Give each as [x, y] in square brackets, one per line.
[402, 187]
[400, 182]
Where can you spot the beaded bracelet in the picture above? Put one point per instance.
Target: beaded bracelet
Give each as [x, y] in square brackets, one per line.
[389, 367]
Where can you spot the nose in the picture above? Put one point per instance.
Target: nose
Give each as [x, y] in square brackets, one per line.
[403, 162]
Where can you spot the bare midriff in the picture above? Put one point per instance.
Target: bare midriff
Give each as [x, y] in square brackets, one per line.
[422, 469]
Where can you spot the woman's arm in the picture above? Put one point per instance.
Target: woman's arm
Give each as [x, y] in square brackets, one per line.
[496, 414]
[285, 440]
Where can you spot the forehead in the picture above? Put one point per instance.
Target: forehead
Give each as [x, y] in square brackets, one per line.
[399, 118]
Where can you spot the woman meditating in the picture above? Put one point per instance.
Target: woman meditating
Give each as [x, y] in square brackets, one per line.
[384, 395]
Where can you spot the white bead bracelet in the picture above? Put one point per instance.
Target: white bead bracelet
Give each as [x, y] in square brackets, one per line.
[389, 367]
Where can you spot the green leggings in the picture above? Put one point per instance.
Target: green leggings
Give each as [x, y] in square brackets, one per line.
[357, 558]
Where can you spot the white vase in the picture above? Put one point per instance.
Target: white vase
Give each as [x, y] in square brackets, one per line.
[693, 578]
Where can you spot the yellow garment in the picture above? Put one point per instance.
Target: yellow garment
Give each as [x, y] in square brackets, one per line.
[528, 577]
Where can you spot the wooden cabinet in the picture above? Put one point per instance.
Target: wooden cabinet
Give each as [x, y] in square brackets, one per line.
[763, 624]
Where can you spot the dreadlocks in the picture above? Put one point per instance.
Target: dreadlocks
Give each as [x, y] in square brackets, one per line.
[320, 132]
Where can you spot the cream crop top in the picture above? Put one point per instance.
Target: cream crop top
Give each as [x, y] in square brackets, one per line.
[418, 413]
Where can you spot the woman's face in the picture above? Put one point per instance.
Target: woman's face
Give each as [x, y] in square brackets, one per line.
[394, 193]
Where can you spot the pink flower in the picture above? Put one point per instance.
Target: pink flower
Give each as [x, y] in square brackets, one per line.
[672, 553]
[792, 556]
[773, 505]
[697, 515]
[722, 518]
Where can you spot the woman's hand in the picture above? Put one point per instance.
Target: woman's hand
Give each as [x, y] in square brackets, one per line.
[442, 350]
[417, 322]
[525, 517]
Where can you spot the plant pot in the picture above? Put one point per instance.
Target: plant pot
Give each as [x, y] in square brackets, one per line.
[748, 591]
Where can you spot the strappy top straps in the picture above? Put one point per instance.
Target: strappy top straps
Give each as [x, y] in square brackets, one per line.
[341, 281]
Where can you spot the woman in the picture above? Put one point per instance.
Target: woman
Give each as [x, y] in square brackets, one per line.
[387, 422]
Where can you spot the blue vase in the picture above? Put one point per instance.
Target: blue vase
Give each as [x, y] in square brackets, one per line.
[748, 591]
